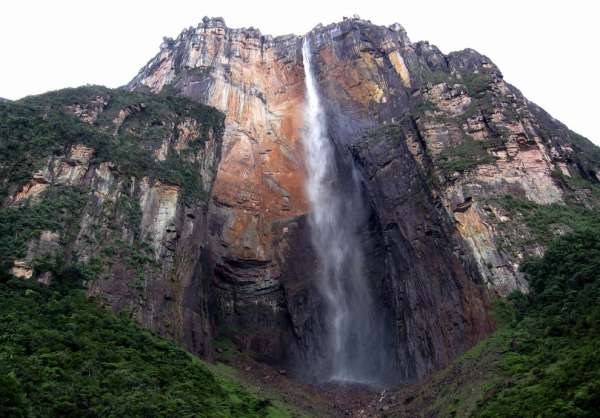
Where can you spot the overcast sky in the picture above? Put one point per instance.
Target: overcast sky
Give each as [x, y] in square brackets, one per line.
[548, 49]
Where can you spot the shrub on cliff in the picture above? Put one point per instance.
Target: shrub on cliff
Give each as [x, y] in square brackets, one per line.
[35, 128]
[465, 156]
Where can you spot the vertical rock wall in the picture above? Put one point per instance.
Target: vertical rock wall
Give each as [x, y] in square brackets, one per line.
[435, 138]
[131, 178]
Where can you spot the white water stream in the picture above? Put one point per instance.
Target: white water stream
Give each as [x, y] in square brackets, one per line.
[352, 342]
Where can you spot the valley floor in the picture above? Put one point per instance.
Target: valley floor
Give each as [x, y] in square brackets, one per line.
[454, 391]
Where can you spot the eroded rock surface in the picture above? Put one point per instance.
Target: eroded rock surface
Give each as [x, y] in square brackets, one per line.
[125, 188]
[257, 81]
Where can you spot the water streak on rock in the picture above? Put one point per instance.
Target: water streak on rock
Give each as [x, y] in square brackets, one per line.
[354, 349]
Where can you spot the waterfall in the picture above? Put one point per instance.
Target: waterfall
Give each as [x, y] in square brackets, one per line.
[354, 347]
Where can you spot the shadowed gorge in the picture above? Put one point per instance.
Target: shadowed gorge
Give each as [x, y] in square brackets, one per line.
[322, 216]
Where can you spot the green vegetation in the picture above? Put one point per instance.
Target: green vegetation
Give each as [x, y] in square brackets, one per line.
[37, 127]
[552, 367]
[545, 222]
[137, 256]
[587, 153]
[467, 155]
[459, 389]
[476, 83]
[57, 208]
[469, 152]
[28, 136]
[228, 375]
[484, 101]
[584, 188]
[157, 111]
[543, 360]
[62, 355]
[435, 77]
[422, 106]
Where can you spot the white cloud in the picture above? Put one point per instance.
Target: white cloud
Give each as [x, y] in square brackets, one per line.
[547, 49]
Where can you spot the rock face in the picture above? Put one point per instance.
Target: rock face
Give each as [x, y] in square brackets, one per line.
[196, 222]
[474, 136]
[118, 191]
[258, 82]
[436, 138]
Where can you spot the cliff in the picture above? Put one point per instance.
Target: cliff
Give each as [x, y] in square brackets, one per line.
[195, 219]
[113, 186]
[438, 139]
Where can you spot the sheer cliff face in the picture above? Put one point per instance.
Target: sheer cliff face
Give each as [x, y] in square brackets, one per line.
[113, 188]
[258, 82]
[437, 140]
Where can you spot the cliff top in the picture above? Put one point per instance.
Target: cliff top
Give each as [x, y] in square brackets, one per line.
[346, 24]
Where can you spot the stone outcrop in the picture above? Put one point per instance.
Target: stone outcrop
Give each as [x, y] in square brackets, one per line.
[88, 111]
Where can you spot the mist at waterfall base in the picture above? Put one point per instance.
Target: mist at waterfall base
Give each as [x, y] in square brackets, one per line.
[353, 345]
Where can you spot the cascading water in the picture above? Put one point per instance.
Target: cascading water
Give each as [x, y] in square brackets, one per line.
[354, 344]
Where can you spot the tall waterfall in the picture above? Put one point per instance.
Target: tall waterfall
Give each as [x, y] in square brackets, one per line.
[354, 347]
